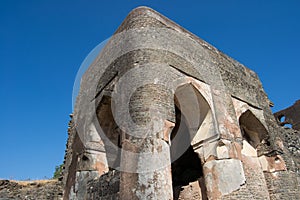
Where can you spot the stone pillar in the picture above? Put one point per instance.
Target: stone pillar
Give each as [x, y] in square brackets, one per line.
[91, 164]
[145, 158]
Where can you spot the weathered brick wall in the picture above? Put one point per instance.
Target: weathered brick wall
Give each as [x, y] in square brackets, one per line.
[291, 136]
[282, 185]
[68, 152]
[291, 140]
[105, 187]
[73, 147]
[168, 52]
[286, 184]
[290, 115]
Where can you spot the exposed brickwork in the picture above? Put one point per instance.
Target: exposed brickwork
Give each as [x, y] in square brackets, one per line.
[225, 102]
[105, 187]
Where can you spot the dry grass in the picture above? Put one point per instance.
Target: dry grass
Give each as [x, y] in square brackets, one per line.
[35, 182]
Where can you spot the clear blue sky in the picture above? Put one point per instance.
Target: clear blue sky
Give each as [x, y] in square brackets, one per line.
[42, 44]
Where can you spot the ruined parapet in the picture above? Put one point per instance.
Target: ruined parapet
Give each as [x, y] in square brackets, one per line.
[177, 118]
[289, 119]
[290, 135]
[290, 115]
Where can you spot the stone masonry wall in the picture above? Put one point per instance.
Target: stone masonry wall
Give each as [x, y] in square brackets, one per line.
[152, 47]
[290, 115]
[105, 187]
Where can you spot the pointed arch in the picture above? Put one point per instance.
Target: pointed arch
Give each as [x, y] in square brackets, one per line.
[194, 124]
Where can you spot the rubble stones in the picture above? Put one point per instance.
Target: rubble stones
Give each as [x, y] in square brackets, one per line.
[31, 190]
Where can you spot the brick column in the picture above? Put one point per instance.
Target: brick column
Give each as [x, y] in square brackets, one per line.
[145, 158]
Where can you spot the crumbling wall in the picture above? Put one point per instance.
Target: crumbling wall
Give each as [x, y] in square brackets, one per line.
[74, 147]
[290, 115]
[106, 186]
[291, 136]
[156, 51]
[69, 158]
[290, 139]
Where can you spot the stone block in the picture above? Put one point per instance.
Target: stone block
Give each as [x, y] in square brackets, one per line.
[272, 164]
[248, 150]
[223, 177]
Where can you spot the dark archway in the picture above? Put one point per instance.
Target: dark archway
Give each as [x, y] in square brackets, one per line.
[187, 168]
[252, 129]
[192, 111]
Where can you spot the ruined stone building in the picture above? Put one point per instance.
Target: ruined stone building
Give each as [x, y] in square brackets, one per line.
[162, 114]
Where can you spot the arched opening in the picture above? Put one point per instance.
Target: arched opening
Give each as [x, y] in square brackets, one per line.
[281, 118]
[191, 111]
[112, 135]
[187, 168]
[283, 121]
[252, 129]
[254, 135]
